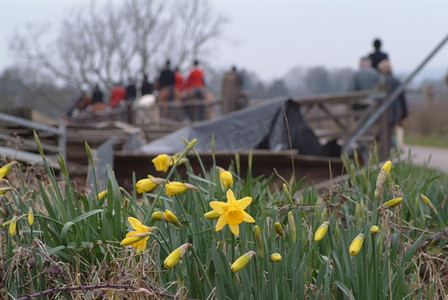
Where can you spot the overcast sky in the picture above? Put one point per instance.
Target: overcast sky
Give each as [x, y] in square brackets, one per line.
[271, 36]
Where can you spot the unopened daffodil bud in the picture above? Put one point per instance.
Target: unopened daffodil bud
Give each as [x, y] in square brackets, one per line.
[175, 256]
[382, 176]
[171, 217]
[321, 231]
[225, 177]
[5, 169]
[356, 244]
[30, 216]
[102, 194]
[148, 184]
[391, 203]
[278, 228]
[292, 227]
[374, 229]
[242, 261]
[276, 257]
[157, 215]
[175, 187]
[211, 215]
[429, 203]
[258, 240]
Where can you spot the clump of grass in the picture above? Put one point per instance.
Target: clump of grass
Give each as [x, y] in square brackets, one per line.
[75, 240]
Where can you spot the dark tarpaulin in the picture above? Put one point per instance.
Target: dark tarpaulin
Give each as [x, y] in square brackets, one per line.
[261, 126]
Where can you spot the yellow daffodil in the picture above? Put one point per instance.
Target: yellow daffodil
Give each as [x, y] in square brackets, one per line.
[278, 228]
[212, 215]
[171, 217]
[30, 216]
[225, 177]
[175, 256]
[356, 244]
[374, 229]
[382, 176]
[139, 237]
[429, 203]
[242, 261]
[5, 169]
[175, 187]
[232, 213]
[276, 257]
[321, 231]
[162, 162]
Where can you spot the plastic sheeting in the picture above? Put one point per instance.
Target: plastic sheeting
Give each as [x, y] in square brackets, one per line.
[262, 126]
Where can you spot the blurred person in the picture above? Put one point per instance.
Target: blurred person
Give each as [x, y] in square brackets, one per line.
[398, 109]
[178, 80]
[233, 97]
[147, 87]
[81, 103]
[131, 90]
[366, 78]
[97, 99]
[377, 55]
[195, 77]
[117, 94]
[167, 92]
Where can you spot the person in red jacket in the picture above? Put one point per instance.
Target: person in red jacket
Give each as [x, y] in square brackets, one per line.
[178, 80]
[117, 94]
[196, 76]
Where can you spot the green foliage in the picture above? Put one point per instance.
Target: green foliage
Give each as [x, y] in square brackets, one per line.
[80, 234]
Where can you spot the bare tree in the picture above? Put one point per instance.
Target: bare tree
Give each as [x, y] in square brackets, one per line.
[112, 43]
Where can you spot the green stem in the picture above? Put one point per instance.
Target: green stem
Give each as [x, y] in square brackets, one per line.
[201, 267]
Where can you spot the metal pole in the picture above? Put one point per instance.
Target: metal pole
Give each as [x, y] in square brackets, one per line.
[372, 119]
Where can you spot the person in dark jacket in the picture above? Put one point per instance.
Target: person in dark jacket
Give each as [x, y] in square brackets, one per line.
[166, 77]
[97, 95]
[399, 108]
[147, 87]
[131, 91]
[377, 55]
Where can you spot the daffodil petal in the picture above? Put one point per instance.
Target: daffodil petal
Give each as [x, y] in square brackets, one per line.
[243, 203]
[219, 207]
[235, 229]
[142, 244]
[230, 198]
[248, 218]
[221, 222]
[131, 233]
[136, 224]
